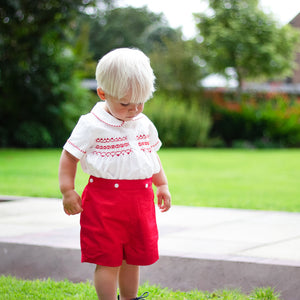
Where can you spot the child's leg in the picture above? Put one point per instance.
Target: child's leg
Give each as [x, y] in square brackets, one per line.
[106, 282]
[129, 277]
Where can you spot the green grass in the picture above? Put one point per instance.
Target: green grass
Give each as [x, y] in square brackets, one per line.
[14, 289]
[247, 179]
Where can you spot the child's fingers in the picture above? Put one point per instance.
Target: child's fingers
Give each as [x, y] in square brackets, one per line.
[164, 204]
[72, 203]
[159, 201]
[73, 210]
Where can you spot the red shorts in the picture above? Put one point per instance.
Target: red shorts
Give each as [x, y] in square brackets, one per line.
[118, 222]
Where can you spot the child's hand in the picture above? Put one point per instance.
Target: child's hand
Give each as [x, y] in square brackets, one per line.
[163, 197]
[72, 203]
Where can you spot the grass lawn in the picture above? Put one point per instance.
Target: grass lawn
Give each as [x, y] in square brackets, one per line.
[248, 179]
[13, 289]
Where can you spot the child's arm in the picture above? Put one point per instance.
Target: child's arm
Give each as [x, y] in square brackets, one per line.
[162, 191]
[66, 175]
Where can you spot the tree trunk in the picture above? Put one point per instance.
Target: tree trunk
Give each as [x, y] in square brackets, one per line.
[239, 90]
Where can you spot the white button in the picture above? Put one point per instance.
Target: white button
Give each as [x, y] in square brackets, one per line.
[116, 185]
[91, 180]
[146, 185]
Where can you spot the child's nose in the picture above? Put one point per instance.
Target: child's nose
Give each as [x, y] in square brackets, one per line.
[134, 107]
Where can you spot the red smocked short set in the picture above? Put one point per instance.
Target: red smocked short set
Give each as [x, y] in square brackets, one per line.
[118, 220]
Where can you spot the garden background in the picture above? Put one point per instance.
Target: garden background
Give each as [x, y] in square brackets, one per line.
[231, 148]
[49, 49]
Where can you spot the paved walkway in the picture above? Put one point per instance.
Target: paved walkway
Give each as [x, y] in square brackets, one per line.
[204, 248]
[210, 233]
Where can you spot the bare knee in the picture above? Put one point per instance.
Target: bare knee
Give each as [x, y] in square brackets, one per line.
[106, 282]
[128, 281]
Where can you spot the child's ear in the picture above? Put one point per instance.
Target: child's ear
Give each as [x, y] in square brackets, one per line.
[101, 93]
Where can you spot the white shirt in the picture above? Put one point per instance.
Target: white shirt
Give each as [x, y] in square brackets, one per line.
[113, 149]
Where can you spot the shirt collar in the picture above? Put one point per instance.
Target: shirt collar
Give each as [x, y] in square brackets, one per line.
[102, 115]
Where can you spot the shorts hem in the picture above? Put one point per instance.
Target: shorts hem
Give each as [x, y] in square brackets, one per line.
[148, 263]
[105, 264]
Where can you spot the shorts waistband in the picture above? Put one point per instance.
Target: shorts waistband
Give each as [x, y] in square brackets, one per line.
[121, 184]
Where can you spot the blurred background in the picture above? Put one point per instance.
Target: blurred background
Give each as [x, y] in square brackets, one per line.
[228, 71]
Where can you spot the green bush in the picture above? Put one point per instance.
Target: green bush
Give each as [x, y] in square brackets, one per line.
[179, 123]
[33, 135]
[38, 72]
[259, 123]
[79, 101]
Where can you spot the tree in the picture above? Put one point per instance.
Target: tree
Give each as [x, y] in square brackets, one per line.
[177, 66]
[36, 70]
[238, 35]
[175, 61]
[121, 27]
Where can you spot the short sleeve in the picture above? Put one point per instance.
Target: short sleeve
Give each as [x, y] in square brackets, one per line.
[79, 141]
[155, 142]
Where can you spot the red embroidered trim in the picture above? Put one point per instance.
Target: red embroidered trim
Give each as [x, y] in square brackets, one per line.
[145, 144]
[106, 122]
[112, 146]
[111, 140]
[112, 153]
[142, 136]
[141, 144]
[84, 152]
[153, 146]
[148, 149]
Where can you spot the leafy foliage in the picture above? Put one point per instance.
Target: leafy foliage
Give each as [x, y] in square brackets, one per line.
[121, 27]
[239, 35]
[176, 65]
[180, 123]
[48, 46]
[261, 121]
[174, 60]
[37, 70]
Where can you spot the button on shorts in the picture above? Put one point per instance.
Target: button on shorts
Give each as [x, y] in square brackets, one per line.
[118, 222]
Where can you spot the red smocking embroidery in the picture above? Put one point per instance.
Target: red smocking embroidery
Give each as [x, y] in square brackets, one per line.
[112, 153]
[142, 136]
[141, 144]
[111, 140]
[149, 148]
[106, 147]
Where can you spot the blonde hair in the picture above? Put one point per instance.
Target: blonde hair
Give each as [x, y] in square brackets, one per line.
[126, 71]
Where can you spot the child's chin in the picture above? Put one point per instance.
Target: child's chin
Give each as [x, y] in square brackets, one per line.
[129, 118]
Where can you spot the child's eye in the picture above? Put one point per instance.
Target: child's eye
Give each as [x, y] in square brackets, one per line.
[124, 104]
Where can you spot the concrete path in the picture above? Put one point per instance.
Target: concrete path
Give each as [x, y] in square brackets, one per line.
[204, 248]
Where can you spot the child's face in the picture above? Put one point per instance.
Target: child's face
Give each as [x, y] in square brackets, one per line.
[122, 109]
